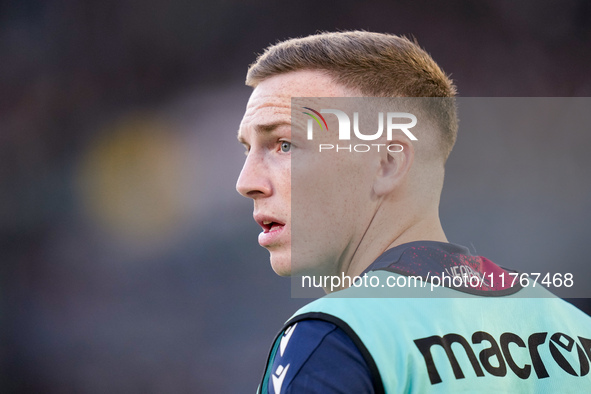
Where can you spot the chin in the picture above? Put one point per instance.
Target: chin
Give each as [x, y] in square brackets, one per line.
[281, 264]
[281, 270]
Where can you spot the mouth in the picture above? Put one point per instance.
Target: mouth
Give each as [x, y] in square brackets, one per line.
[272, 230]
[270, 226]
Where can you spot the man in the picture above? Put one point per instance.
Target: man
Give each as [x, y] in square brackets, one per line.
[373, 214]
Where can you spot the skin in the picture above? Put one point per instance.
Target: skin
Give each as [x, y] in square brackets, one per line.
[347, 208]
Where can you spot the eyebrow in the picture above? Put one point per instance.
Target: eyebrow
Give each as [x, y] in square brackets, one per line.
[265, 129]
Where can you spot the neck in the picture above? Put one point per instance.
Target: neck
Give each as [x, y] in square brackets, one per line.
[382, 235]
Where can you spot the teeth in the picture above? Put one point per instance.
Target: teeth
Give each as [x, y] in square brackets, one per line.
[266, 222]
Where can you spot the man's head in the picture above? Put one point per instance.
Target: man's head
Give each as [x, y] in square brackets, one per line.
[353, 207]
[373, 64]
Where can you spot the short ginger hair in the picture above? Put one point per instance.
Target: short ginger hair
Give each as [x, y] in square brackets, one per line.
[375, 64]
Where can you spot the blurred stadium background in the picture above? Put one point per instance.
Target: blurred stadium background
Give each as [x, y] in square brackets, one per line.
[130, 264]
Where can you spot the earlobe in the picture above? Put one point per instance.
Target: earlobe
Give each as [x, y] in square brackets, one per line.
[394, 166]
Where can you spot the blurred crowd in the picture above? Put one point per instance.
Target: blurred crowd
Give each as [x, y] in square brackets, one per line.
[129, 262]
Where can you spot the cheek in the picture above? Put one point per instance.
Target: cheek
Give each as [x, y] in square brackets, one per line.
[278, 169]
[283, 181]
[322, 200]
[330, 203]
[330, 183]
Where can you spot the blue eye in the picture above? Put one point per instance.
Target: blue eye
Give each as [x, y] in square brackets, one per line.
[285, 146]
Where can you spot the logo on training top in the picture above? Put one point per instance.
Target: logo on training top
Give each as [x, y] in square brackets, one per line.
[392, 120]
[279, 377]
[510, 354]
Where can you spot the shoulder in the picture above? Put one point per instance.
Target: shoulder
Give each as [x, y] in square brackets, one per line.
[316, 356]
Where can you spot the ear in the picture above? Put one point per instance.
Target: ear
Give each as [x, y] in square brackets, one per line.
[395, 162]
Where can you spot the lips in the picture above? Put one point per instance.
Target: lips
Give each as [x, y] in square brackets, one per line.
[272, 229]
[269, 226]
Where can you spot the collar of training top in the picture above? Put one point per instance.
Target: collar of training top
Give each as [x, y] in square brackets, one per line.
[463, 270]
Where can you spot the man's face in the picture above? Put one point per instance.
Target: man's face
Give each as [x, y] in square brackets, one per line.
[331, 191]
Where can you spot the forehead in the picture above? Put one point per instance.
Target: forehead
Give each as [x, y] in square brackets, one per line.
[271, 99]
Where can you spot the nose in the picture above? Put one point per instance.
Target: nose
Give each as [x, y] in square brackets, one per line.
[254, 181]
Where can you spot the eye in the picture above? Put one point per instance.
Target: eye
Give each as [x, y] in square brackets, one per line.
[285, 146]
